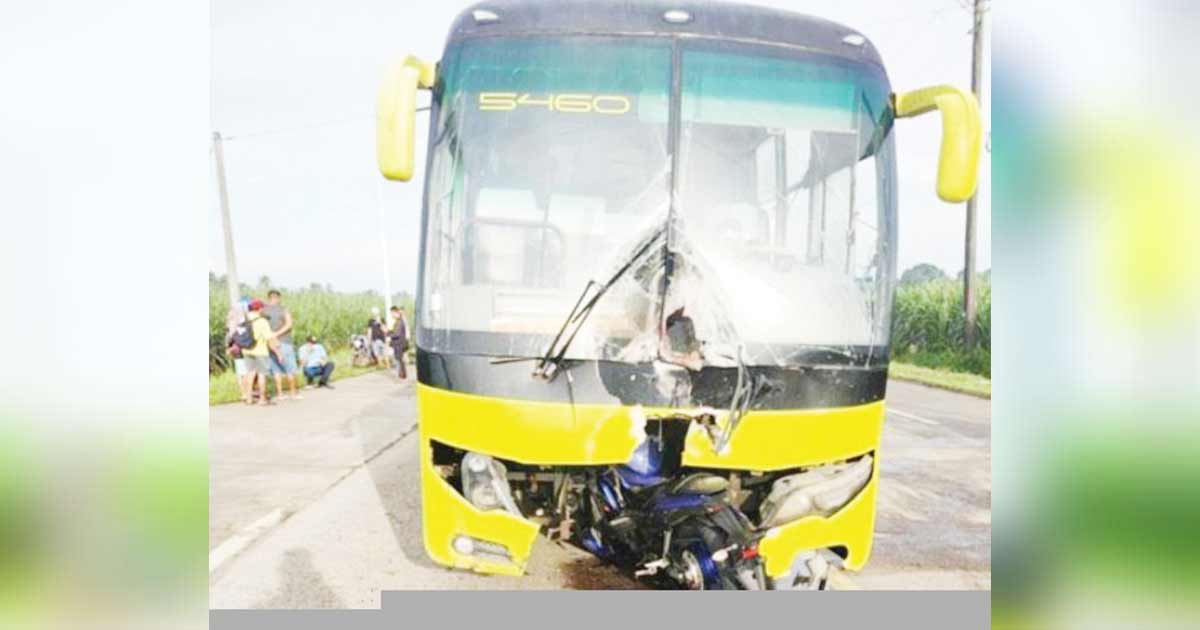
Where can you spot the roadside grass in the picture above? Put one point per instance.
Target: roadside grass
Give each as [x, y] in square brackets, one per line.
[928, 327]
[331, 316]
[223, 388]
[962, 382]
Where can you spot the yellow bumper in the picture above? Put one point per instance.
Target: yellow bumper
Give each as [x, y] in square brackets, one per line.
[446, 515]
[555, 434]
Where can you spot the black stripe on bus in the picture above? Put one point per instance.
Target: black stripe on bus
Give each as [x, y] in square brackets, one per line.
[617, 383]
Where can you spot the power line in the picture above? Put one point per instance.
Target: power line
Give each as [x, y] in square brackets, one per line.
[923, 15]
[935, 58]
[307, 127]
[298, 128]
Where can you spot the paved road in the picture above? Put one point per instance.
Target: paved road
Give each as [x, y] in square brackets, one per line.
[933, 528]
[315, 503]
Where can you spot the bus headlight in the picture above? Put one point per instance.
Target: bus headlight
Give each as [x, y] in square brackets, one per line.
[823, 490]
[485, 483]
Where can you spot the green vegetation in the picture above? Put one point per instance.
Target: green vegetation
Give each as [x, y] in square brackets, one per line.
[330, 315]
[223, 387]
[955, 381]
[928, 327]
[928, 332]
[921, 274]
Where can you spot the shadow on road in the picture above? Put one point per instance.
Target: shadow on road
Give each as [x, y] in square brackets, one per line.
[394, 472]
[301, 585]
[397, 480]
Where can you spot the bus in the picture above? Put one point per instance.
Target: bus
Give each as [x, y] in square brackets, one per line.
[658, 251]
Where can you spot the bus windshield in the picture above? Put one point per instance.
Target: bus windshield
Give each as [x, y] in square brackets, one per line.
[553, 159]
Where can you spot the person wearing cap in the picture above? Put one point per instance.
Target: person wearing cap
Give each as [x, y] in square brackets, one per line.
[317, 365]
[377, 333]
[258, 361]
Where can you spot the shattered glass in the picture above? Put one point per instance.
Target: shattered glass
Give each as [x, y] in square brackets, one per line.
[772, 229]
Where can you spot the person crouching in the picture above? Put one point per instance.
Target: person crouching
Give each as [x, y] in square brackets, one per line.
[317, 366]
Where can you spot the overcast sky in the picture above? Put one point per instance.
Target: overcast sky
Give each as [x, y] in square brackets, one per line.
[293, 86]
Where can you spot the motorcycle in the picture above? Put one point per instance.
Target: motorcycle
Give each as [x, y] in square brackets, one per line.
[684, 529]
[673, 527]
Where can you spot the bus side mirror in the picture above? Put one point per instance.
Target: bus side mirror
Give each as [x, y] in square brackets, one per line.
[962, 134]
[395, 116]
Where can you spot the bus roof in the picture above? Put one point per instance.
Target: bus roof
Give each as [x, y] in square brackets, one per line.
[717, 20]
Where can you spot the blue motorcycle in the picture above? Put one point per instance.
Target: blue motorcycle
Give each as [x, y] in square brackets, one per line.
[684, 529]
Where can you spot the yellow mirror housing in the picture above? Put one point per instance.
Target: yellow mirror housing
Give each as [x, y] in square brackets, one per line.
[395, 116]
[962, 135]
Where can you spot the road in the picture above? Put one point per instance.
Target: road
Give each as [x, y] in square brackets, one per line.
[315, 503]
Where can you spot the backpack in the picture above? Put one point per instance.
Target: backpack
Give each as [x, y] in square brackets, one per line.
[243, 334]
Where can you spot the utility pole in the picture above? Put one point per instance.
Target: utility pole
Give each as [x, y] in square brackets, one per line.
[231, 278]
[387, 267]
[969, 268]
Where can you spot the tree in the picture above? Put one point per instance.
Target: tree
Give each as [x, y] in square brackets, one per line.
[985, 276]
[921, 274]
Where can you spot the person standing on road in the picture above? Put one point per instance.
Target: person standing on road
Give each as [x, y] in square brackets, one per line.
[378, 336]
[237, 332]
[317, 365]
[258, 361]
[284, 363]
[399, 339]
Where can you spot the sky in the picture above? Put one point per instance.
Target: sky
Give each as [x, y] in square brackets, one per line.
[293, 91]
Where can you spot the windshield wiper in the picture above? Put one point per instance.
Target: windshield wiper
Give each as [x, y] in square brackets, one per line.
[747, 391]
[549, 364]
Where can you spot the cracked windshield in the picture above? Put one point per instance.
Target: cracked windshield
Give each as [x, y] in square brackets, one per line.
[552, 168]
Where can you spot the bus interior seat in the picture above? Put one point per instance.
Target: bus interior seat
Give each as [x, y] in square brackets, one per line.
[512, 255]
